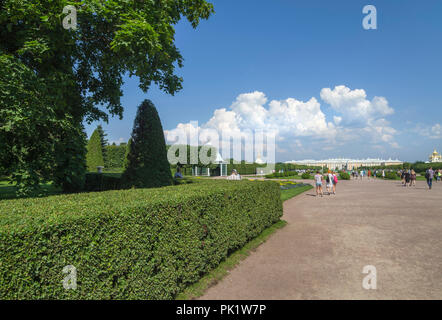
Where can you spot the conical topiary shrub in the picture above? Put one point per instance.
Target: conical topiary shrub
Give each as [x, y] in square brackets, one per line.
[147, 164]
[94, 156]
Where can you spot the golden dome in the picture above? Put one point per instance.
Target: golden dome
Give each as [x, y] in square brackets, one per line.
[435, 157]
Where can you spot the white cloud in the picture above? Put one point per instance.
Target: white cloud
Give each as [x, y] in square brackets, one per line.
[432, 132]
[356, 119]
[436, 131]
[249, 112]
[337, 120]
[353, 104]
[359, 115]
[118, 142]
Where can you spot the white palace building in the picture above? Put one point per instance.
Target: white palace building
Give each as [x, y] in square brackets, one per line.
[347, 164]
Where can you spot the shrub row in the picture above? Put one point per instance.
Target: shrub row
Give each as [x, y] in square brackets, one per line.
[128, 244]
[102, 181]
[282, 174]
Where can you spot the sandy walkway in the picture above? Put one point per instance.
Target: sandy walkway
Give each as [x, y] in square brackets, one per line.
[320, 254]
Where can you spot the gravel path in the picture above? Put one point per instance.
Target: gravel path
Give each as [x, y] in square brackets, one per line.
[322, 251]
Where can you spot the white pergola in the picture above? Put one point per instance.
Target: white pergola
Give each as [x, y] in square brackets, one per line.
[198, 171]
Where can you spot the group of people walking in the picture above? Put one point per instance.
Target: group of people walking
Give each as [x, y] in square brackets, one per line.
[408, 178]
[331, 180]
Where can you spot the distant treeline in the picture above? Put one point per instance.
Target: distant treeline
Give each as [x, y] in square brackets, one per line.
[115, 155]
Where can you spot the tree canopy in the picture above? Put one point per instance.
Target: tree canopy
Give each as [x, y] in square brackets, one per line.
[54, 79]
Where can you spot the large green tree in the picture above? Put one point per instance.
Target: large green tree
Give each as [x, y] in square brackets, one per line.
[147, 164]
[72, 76]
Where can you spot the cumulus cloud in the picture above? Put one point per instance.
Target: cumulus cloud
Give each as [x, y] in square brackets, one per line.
[291, 119]
[354, 105]
[360, 115]
[250, 112]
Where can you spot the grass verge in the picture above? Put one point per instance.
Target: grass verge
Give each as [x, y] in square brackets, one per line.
[197, 290]
[290, 193]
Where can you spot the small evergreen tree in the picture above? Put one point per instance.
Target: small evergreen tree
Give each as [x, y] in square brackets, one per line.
[125, 162]
[103, 142]
[147, 164]
[94, 157]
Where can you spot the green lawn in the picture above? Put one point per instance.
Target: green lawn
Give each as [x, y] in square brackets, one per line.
[290, 193]
[292, 178]
[8, 191]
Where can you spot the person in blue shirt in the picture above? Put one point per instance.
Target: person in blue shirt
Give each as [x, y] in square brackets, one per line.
[429, 175]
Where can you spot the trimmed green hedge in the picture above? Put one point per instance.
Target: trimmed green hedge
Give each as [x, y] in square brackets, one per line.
[129, 244]
[282, 174]
[102, 181]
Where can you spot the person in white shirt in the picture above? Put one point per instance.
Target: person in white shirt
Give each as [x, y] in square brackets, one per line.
[318, 180]
[234, 175]
[329, 182]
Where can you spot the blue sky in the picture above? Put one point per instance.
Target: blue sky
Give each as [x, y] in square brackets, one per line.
[313, 62]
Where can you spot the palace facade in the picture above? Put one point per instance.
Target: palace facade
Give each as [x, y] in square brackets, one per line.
[347, 164]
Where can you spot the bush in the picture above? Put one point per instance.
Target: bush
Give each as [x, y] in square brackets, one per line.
[391, 175]
[147, 164]
[102, 181]
[129, 244]
[344, 176]
[305, 175]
